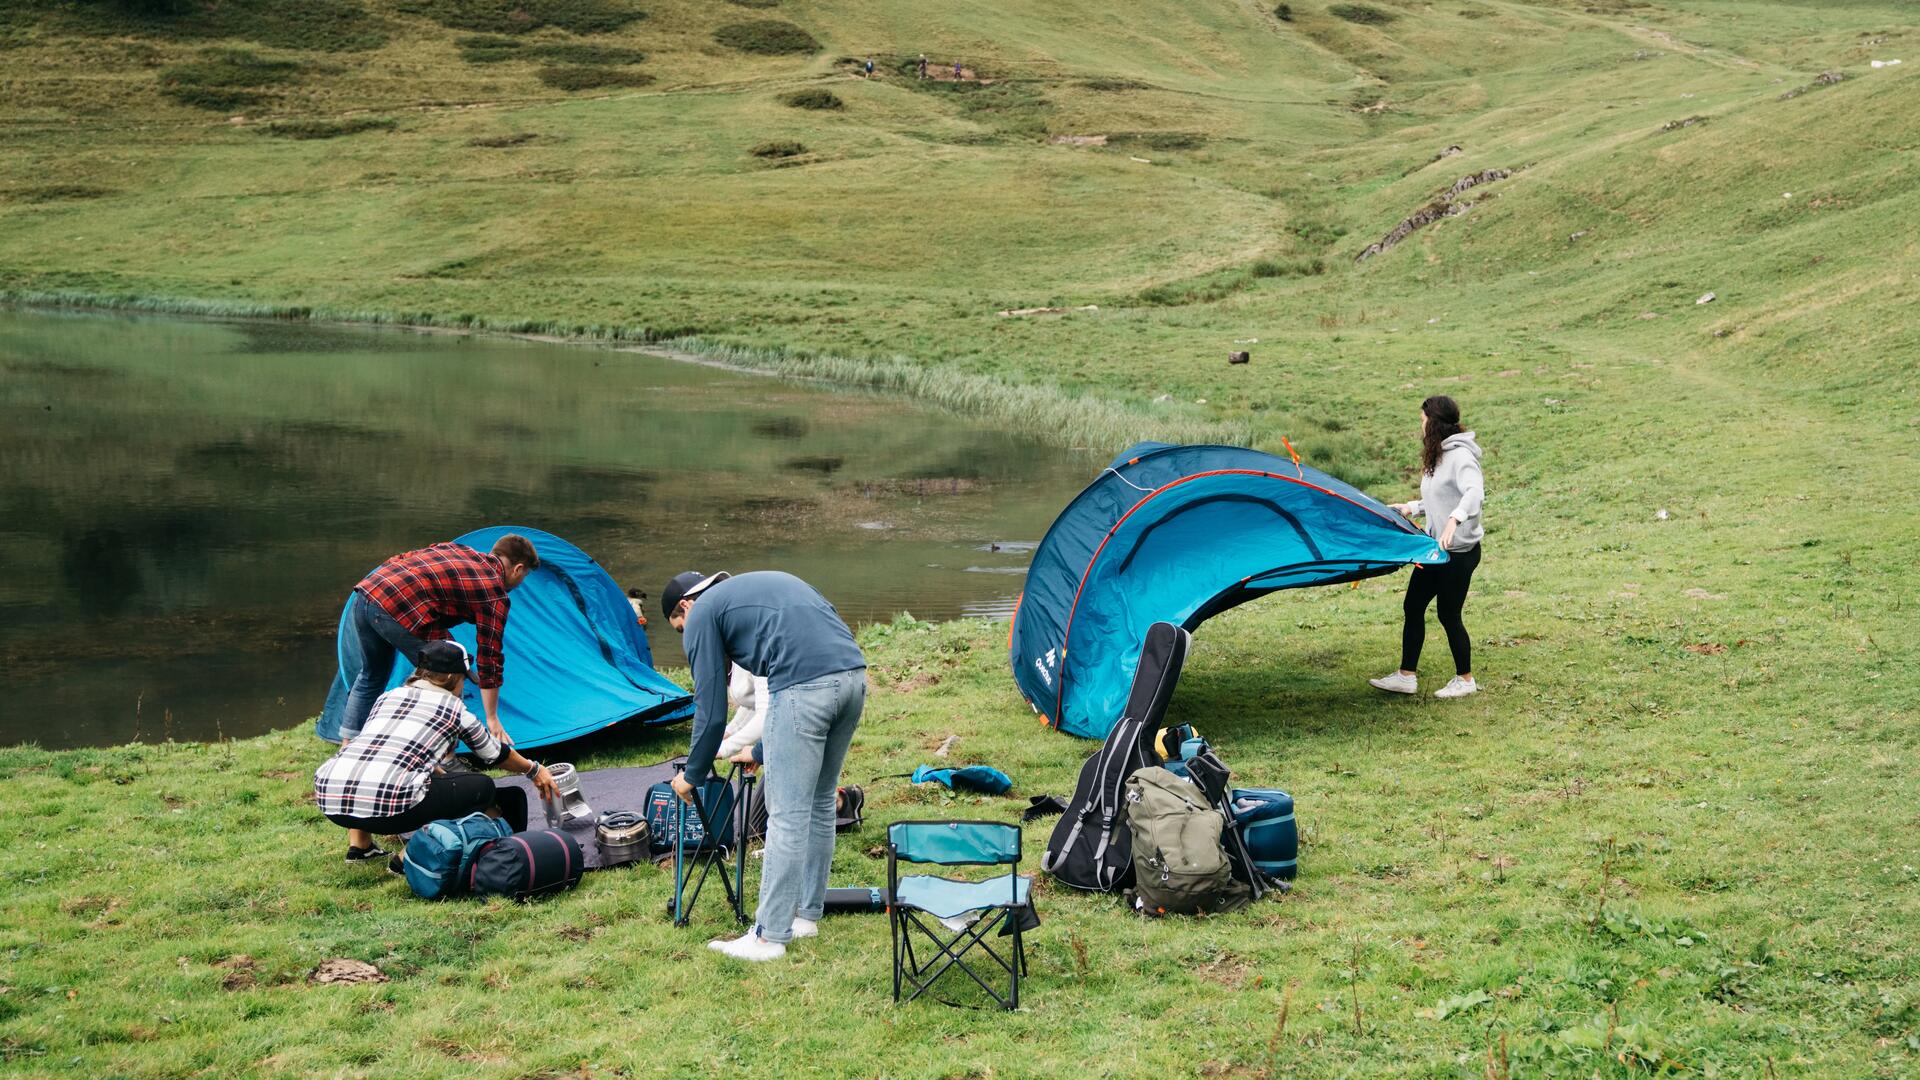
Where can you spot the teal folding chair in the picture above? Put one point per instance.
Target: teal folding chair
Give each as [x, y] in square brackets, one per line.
[919, 902]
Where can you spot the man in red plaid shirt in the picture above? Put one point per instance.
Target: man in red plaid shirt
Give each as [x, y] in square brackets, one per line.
[414, 598]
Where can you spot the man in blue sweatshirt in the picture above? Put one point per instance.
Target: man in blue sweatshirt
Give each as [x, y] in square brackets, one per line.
[781, 629]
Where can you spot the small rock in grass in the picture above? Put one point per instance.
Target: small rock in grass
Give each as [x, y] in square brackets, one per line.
[1706, 299]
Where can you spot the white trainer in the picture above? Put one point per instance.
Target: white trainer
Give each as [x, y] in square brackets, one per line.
[748, 946]
[805, 928]
[1457, 687]
[1397, 683]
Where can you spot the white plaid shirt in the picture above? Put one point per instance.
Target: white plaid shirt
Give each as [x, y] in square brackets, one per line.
[384, 770]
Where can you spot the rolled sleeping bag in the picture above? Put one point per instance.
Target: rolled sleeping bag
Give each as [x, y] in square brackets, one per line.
[856, 901]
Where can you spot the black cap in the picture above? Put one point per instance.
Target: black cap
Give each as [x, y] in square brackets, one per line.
[685, 585]
[445, 658]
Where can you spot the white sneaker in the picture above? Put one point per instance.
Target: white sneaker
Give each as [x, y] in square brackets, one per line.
[1457, 687]
[1397, 683]
[805, 928]
[748, 946]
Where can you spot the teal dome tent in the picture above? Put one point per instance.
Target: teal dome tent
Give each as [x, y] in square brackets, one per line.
[1180, 534]
[576, 659]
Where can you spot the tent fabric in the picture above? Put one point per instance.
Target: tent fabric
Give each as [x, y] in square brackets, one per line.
[576, 659]
[984, 779]
[1180, 534]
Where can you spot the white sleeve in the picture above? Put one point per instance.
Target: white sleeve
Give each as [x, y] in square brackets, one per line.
[1473, 489]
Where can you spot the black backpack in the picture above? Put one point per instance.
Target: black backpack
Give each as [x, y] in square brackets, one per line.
[1090, 847]
[526, 864]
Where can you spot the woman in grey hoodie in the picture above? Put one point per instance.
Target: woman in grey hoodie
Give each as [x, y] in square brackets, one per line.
[1451, 491]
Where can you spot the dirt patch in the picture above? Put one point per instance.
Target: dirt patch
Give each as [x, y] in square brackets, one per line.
[1013, 313]
[345, 971]
[1706, 648]
[919, 680]
[499, 142]
[240, 969]
[1698, 593]
[1447, 205]
[1676, 125]
[1228, 970]
[1078, 140]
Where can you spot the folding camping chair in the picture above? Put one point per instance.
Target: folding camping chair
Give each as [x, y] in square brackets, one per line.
[1003, 902]
[724, 802]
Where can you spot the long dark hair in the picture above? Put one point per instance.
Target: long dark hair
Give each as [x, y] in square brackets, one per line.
[1443, 420]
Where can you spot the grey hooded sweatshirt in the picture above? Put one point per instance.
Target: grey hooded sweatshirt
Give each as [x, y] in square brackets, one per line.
[1455, 490]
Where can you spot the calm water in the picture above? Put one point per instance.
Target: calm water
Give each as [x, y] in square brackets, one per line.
[185, 505]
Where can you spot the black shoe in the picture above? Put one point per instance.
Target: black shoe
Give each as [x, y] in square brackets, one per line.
[396, 866]
[365, 854]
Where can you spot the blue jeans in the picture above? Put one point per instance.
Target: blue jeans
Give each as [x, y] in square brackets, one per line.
[378, 639]
[809, 727]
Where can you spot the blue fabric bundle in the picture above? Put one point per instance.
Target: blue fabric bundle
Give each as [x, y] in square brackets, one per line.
[984, 779]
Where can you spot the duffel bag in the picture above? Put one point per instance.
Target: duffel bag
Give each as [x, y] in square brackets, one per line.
[439, 853]
[526, 864]
[1264, 817]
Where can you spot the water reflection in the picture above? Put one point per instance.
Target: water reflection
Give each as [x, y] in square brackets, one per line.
[183, 505]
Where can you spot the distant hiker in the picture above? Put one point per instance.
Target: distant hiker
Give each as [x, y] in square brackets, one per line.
[417, 597]
[923, 65]
[956, 71]
[391, 778]
[777, 627]
[869, 67]
[637, 600]
[1451, 491]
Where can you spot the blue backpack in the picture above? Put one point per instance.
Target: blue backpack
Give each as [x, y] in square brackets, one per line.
[438, 854]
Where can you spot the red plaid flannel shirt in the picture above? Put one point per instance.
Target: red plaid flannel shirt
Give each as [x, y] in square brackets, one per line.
[429, 590]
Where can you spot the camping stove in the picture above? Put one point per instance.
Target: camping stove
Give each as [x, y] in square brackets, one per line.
[623, 837]
[573, 808]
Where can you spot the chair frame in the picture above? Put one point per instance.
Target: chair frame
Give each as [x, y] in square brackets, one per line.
[710, 854]
[902, 920]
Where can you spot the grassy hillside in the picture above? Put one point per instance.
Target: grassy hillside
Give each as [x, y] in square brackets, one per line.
[1674, 833]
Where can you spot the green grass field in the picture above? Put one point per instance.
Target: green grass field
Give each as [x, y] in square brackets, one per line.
[1671, 836]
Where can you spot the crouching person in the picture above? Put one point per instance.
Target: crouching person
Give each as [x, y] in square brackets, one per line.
[391, 778]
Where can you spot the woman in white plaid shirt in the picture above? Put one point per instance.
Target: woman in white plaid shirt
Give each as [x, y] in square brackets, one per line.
[390, 778]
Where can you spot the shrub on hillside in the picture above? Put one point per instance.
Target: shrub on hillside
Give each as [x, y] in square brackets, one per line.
[328, 129]
[1361, 13]
[224, 79]
[1114, 86]
[755, 3]
[1158, 140]
[591, 77]
[1284, 13]
[520, 16]
[778, 148]
[766, 37]
[494, 50]
[812, 99]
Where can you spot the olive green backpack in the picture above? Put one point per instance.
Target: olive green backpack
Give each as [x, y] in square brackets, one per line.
[1180, 866]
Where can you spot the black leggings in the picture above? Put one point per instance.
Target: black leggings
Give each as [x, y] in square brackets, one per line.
[449, 795]
[1448, 582]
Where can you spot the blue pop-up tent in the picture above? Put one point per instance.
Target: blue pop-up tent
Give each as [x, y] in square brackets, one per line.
[1180, 534]
[576, 659]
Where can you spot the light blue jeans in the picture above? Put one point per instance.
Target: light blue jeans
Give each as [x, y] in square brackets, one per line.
[809, 727]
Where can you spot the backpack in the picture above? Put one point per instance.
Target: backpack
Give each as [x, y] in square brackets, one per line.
[1264, 818]
[522, 864]
[1179, 864]
[1090, 847]
[439, 853]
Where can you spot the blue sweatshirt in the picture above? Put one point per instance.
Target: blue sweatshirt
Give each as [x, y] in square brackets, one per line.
[774, 625]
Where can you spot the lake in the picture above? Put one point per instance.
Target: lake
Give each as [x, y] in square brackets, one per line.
[184, 505]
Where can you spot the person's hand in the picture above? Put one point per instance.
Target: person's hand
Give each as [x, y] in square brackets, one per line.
[1446, 534]
[542, 778]
[493, 725]
[682, 788]
[745, 757]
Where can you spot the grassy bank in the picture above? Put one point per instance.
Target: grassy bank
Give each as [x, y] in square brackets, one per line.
[1673, 835]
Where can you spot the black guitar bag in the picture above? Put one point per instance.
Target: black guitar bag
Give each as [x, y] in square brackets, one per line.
[1091, 847]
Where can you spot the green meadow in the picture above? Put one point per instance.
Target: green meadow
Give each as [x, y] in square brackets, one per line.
[1675, 833]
